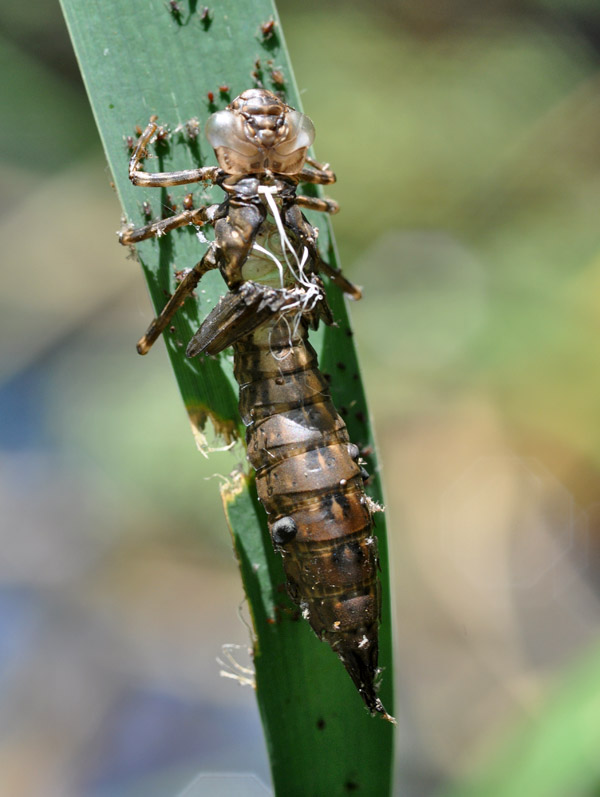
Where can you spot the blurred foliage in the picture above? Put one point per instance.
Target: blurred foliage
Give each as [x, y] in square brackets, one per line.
[553, 754]
[45, 124]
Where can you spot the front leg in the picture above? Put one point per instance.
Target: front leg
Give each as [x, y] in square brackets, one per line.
[163, 179]
[320, 205]
[320, 173]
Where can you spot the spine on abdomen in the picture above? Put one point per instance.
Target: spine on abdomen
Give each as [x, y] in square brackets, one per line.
[310, 485]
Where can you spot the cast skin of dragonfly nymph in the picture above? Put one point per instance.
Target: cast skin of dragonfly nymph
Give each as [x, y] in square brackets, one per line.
[308, 475]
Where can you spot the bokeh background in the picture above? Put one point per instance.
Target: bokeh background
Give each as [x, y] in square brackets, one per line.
[464, 136]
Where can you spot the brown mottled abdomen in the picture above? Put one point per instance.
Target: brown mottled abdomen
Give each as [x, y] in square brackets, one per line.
[311, 487]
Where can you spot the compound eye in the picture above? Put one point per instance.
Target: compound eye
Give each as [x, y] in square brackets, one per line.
[225, 129]
[306, 131]
[301, 133]
[220, 128]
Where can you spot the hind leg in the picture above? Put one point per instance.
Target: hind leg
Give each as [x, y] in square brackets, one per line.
[295, 221]
[234, 238]
[185, 287]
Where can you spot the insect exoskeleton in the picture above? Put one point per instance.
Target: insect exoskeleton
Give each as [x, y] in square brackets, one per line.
[309, 476]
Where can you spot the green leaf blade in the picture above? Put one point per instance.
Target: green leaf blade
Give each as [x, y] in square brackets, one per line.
[138, 60]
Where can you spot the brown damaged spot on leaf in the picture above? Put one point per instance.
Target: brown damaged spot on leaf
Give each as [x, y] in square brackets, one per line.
[223, 428]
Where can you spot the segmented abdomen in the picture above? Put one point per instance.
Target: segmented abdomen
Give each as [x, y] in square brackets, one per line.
[310, 485]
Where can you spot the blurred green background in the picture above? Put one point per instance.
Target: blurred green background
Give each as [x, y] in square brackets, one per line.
[465, 143]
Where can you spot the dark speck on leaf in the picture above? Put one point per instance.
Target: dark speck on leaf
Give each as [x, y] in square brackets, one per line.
[267, 28]
[360, 416]
[321, 723]
[341, 366]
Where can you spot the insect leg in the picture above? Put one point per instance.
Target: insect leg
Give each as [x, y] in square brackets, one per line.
[296, 222]
[139, 177]
[234, 239]
[336, 276]
[185, 287]
[322, 167]
[197, 216]
[320, 205]
[320, 173]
